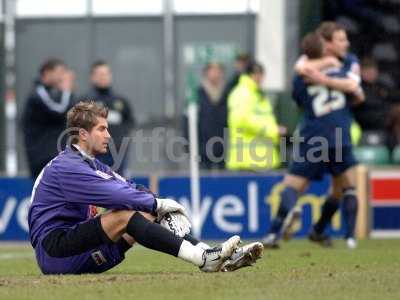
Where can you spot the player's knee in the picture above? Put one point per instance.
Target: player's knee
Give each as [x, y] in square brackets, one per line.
[124, 216]
[117, 218]
[295, 182]
[336, 194]
[148, 216]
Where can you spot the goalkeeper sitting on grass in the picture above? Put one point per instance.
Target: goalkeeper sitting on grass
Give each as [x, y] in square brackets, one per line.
[69, 240]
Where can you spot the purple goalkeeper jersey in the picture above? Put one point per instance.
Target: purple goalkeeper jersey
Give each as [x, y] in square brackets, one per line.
[73, 181]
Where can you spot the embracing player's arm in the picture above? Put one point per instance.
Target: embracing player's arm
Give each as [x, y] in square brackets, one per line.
[304, 65]
[346, 85]
[358, 97]
[311, 70]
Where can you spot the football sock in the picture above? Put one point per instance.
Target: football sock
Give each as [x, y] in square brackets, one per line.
[350, 207]
[153, 236]
[329, 208]
[195, 242]
[191, 253]
[288, 201]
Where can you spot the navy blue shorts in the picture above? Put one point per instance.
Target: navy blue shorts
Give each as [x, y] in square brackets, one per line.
[306, 163]
[78, 250]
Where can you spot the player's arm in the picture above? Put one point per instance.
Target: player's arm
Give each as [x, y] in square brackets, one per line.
[86, 186]
[304, 65]
[346, 85]
[358, 97]
[354, 73]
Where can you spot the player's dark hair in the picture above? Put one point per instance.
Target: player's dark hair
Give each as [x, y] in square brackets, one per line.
[328, 28]
[84, 115]
[98, 63]
[312, 45]
[254, 67]
[50, 64]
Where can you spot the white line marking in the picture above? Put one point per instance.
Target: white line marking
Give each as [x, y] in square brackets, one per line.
[15, 255]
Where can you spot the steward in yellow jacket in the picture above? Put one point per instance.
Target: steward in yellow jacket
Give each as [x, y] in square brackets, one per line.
[253, 129]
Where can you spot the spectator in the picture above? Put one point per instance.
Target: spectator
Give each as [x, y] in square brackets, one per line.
[44, 116]
[371, 114]
[212, 116]
[241, 62]
[120, 115]
[253, 129]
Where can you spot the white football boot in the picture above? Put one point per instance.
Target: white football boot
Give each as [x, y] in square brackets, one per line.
[245, 256]
[271, 241]
[215, 257]
[351, 243]
[291, 223]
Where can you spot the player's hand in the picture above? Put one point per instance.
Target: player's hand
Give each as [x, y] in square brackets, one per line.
[354, 88]
[167, 206]
[358, 97]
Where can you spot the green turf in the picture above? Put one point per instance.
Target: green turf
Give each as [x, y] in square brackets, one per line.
[298, 271]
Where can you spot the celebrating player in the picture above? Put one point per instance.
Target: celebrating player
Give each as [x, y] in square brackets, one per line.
[325, 133]
[68, 240]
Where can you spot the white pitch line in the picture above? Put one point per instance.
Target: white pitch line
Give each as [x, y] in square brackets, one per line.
[15, 255]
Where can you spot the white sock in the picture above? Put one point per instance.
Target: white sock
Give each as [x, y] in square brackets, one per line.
[191, 253]
[203, 246]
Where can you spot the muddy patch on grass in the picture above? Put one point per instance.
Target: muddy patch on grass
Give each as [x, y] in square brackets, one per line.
[36, 281]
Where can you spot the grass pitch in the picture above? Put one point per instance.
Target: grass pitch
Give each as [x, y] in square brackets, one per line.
[299, 270]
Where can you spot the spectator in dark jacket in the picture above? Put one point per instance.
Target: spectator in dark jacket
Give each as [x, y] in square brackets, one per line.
[120, 116]
[44, 116]
[372, 113]
[212, 117]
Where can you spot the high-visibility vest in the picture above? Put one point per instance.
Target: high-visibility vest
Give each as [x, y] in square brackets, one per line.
[253, 129]
[355, 133]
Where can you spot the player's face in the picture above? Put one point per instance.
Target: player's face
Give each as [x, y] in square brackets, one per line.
[99, 137]
[102, 76]
[339, 44]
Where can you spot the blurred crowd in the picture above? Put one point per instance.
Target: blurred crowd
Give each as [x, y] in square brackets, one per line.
[374, 30]
[232, 111]
[52, 95]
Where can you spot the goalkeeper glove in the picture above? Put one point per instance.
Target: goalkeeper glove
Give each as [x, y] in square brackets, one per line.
[168, 205]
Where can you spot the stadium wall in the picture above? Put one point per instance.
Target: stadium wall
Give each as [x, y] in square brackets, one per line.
[133, 45]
